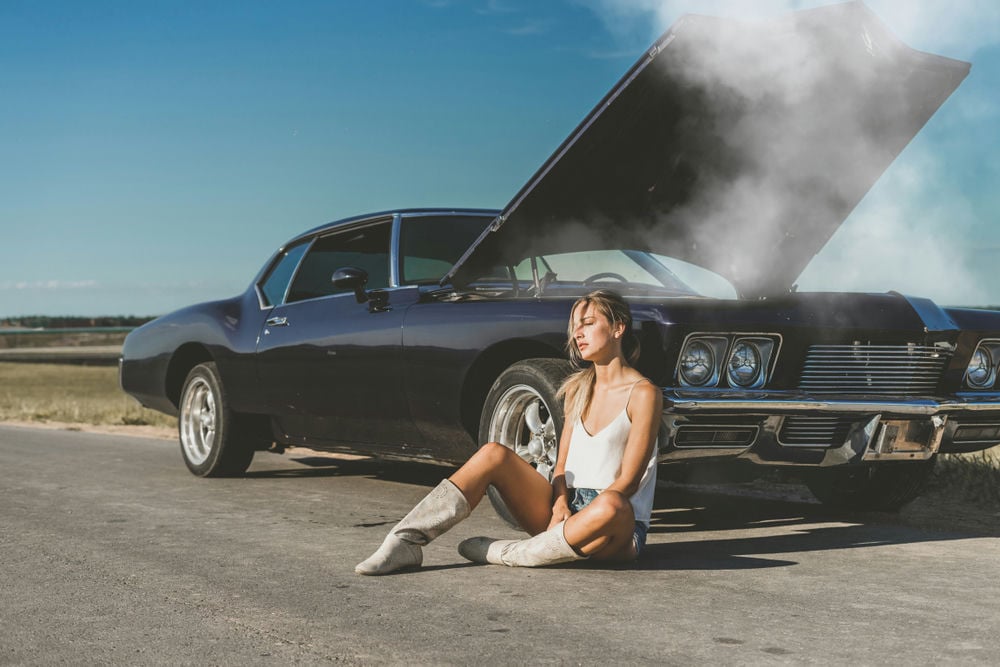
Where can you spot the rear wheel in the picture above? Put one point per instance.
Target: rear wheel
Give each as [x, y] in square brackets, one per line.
[883, 487]
[522, 412]
[215, 441]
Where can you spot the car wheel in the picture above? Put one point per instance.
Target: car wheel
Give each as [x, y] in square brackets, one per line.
[213, 438]
[522, 412]
[882, 487]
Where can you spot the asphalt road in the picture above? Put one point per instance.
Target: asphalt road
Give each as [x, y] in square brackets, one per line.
[111, 552]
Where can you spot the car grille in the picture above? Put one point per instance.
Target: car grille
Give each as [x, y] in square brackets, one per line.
[974, 431]
[715, 436]
[908, 370]
[814, 431]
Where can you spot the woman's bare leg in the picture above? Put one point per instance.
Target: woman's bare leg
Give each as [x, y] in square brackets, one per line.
[527, 494]
[603, 529]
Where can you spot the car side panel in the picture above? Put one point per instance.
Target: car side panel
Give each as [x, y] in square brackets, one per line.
[447, 363]
[330, 369]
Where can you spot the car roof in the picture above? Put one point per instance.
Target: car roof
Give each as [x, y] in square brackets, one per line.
[368, 217]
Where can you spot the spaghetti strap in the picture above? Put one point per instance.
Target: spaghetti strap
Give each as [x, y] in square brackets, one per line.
[629, 398]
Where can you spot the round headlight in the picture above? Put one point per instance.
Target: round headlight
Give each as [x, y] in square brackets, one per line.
[697, 363]
[744, 364]
[980, 371]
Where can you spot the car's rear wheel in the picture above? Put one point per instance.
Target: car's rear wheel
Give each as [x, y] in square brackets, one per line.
[522, 412]
[884, 487]
[215, 441]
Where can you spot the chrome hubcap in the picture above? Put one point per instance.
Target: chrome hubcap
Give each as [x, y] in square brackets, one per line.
[523, 422]
[198, 419]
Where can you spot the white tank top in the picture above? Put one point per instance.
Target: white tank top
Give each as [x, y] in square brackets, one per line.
[595, 461]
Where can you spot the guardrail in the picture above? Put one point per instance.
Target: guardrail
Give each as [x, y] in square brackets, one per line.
[91, 345]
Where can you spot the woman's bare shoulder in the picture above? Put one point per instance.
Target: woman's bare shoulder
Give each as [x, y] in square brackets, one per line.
[645, 392]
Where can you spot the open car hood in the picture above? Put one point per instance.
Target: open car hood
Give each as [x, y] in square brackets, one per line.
[737, 146]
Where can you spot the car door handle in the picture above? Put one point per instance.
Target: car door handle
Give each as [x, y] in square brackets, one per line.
[277, 322]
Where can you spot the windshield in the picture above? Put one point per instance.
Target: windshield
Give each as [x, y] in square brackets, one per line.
[633, 271]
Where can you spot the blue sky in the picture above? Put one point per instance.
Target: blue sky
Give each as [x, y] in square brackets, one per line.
[155, 153]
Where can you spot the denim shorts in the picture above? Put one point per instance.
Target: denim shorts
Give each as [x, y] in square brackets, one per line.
[580, 498]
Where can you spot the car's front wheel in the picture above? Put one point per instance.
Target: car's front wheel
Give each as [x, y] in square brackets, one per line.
[884, 487]
[214, 439]
[522, 412]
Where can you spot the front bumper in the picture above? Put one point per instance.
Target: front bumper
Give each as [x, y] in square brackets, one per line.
[753, 426]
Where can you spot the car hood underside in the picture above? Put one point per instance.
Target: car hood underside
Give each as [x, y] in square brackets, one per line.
[739, 147]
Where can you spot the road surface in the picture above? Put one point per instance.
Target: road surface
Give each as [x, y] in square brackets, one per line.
[111, 552]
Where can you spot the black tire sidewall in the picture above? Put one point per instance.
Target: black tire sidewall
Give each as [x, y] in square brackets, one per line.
[545, 376]
[213, 465]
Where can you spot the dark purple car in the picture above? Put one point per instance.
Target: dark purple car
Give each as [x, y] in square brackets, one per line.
[699, 187]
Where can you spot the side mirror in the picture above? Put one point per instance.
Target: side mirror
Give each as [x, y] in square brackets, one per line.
[351, 277]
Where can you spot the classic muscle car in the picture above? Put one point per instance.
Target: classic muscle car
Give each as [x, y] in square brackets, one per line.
[699, 187]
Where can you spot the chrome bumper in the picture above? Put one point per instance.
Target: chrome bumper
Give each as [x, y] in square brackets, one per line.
[884, 429]
[795, 403]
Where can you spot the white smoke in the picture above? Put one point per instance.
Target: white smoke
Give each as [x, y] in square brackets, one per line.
[956, 28]
[913, 233]
[922, 251]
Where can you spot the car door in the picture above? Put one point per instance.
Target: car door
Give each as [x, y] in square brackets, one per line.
[331, 366]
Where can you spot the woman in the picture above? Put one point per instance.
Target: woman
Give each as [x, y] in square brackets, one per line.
[601, 496]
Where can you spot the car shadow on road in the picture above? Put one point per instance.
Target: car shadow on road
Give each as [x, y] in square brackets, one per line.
[763, 527]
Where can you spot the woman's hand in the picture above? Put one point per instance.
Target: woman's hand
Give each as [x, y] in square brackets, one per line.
[560, 511]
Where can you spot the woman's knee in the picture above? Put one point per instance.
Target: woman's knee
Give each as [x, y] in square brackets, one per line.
[493, 454]
[611, 506]
[604, 526]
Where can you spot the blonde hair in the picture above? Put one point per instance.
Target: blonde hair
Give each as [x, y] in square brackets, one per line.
[578, 388]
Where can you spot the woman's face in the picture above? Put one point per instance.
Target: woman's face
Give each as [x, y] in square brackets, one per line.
[593, 334]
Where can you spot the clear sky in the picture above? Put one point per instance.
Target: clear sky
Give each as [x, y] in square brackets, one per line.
[155, 153]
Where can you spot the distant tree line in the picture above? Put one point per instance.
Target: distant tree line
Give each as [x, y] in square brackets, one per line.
[72, 322]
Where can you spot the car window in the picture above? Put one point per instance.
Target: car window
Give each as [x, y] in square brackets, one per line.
[273, 287]
[366, 248]
[429, 245]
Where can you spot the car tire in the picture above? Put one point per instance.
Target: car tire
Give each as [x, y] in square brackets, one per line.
[214, 440]
[522, 412]
[883, 487]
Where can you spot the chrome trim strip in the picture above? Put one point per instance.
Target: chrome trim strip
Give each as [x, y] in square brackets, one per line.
[394, 257]
[778, 403]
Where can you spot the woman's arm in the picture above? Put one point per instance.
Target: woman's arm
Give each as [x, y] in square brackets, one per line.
[645, 412]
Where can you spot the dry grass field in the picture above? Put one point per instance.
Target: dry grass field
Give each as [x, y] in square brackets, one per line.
[976, 477]
[71, 394]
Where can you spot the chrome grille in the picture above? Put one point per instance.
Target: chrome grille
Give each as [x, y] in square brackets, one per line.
[715, 436]
[909, 370]
[814, 431]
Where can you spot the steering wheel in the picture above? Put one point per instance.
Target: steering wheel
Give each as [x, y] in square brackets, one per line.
[606, 274]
